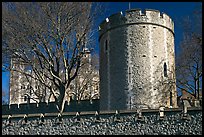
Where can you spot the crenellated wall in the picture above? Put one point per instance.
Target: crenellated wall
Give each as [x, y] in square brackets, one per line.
[136, 16]
[43, 107]
[125, 122]
[135, 48]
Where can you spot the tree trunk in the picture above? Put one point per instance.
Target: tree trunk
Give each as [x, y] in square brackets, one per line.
[61, 99]
[195, 88]
[197, 80]
[62, 104]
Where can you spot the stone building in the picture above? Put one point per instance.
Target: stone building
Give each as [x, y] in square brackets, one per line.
[190, 97]
[137, 61]
[86, 85]
[22, 90]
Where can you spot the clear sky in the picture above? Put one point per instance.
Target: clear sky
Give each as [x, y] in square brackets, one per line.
[176, 10]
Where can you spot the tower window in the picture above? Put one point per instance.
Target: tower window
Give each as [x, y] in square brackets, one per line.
[129, 74]
[96, 87]
[165, 70]
[25, 98]
[171, 102]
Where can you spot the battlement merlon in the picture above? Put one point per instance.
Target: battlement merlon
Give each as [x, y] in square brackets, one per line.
[136, 16]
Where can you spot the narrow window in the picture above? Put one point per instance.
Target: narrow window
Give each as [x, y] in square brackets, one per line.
[129, 74]
[25, 98]
[165, 70]
[171, 103]
[96, 87]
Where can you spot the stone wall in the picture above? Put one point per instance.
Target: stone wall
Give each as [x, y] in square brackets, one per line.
[43, 107]
[134, 46]
[125, 123]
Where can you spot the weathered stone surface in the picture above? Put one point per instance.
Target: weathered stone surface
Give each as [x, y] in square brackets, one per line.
[133, 50]
[171, 125]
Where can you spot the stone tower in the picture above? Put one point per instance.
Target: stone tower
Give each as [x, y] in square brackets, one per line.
[137, 61]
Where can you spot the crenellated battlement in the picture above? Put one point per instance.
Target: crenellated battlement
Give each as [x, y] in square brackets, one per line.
[43, 107]
[112, 21]
[137, 16]
[119, 122]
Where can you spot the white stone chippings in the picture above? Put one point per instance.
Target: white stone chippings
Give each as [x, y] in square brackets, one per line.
[143, 50]
[165, 45]
[165, 48]
[151, 63]
[129, 93]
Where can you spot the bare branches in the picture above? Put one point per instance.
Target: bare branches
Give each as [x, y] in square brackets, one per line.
[50, 38]
[189, 60]
[86, 82]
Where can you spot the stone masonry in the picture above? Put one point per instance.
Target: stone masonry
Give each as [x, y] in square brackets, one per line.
[137, 61]
[128, 123]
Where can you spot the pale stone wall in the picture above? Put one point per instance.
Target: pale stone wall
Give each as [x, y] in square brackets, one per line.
[20, 87]
[103, 75]
[17, 84]
[132, 70]
[112, 53]
[171, 57]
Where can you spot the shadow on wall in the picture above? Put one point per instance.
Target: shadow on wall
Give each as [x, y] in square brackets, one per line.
[43, 107]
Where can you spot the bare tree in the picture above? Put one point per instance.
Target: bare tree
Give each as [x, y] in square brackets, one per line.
[87, 80]
[50, 38]
[189, 59]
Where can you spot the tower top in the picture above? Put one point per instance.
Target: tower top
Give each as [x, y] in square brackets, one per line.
[136, 16]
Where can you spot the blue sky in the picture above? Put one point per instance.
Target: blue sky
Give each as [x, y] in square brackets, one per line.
[176, 10]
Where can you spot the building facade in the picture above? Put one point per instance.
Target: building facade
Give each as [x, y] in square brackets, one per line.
[23, 89]
[27, 90]
[137, 61]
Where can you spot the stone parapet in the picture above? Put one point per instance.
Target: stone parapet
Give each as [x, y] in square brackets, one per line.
[136, 16]
[128, 123]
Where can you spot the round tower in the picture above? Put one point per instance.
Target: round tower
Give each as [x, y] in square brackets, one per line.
[137, 61]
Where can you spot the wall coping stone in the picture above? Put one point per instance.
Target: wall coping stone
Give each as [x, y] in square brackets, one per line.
[109, 112]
